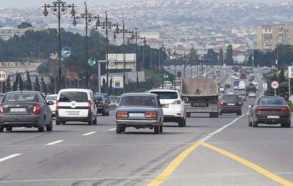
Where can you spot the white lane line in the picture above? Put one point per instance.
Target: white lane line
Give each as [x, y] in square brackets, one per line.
[112, 129]
[9, 157]
[86, 134]
[221, 129]
[55, 142]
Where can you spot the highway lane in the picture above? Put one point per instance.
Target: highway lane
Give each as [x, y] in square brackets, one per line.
[96, 155]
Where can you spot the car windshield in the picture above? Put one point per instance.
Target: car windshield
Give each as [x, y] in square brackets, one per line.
[137, 101]
[230, 98]
[21, 97]
[73, 96]
[99, 98]
[271, 101]
[51, 98]
[167, 95]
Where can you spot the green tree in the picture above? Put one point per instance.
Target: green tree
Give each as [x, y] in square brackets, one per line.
[229, 55]
[8, 86]
[28, 82]
[43, 86]
[24, 25]
[15, 84]
[20, 82]
[37, 84]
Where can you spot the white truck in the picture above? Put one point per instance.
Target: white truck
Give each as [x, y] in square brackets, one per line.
[200, 96]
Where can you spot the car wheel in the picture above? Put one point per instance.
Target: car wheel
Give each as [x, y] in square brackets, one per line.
[108, 113]
[188, 114]
[41, 128]
[8, 129]
[181, 122]
[1, 129]
[254, 124]
[95, 121]
[288, 124]
[161, 128]
[118, 129]
[157, 129]
[239, 113]
[49, 128]
[216, 115]
[220, 112]
[90, 122]
[249, 123]
[103, 113]
[57, 122]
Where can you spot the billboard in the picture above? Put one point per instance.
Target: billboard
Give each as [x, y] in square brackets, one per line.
[116, 80]
[116, 61]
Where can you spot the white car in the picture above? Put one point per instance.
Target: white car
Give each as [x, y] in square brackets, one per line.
[230, 92]
[173, 106]
[251, 95]
[76, 104]
[53, 98]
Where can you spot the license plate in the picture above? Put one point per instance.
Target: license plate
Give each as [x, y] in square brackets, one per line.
[72, 113]
[273, 117]
[136, 114]
[17, 109]
[165, 105]
[230, 104]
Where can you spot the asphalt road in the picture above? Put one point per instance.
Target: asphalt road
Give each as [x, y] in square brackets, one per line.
[208, 151]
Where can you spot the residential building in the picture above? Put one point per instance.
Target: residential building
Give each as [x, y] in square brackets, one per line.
[269, 36]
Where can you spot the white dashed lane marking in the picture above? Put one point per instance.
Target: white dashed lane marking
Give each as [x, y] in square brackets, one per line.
[87, 134]
[55, 142]
[112, 129]
[9, 157]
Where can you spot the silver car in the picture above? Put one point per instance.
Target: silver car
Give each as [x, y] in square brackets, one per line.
[139, 110]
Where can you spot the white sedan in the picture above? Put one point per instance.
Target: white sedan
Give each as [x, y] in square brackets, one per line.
[252, 95]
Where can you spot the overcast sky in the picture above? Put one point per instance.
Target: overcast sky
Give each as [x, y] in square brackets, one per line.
[38, 3]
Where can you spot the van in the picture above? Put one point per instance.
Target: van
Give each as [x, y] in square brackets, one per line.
[76, 105]
[241, 85]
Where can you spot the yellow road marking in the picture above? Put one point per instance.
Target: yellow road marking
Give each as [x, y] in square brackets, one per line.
[173, 165]
[179, 159]
[250, 165]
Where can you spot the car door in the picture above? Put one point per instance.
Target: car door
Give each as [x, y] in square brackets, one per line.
[46, 109]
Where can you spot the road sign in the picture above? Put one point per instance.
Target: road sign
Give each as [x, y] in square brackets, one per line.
[53, 54]
[265, 87]
[274, 84]
[91, 61]
[65, 52]
[290, 71]
[3, 75]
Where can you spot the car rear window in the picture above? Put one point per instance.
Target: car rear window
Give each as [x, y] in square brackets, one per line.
[230, 98]
[271, 101]
[21, 97]
[51, 98]
[167, 95]
[73, 96]
[99, 98]
[137, 101]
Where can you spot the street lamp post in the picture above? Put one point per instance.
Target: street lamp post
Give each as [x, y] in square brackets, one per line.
[136, 37]
[88, 20]
[123, 31]
[106, 25]
[59, 8]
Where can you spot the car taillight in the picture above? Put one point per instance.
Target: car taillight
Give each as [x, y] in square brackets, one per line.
[285, 109]
[151, 115]
[240, 103]
[259, 110]
[121, 114]
[100, 105]
[37, 109]
[176, 102]
[222, 103]
[90, 104]
[57, 105]
[1, 109]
